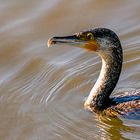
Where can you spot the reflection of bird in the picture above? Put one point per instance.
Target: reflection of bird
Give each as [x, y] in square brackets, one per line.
[107, 45]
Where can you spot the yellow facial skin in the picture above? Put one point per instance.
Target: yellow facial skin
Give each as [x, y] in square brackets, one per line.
[91, 46]
[91, 43]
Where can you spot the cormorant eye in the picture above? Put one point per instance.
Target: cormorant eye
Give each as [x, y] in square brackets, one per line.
[90, 36]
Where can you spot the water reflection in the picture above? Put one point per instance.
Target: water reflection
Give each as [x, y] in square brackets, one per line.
[113, 128]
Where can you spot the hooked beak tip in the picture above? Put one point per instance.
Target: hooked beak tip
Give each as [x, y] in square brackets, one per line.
[50, 42]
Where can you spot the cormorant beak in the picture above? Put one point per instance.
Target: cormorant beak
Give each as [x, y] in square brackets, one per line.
[74, 40]
[66, 40]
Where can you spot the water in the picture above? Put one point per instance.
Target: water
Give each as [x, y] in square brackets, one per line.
[42, 90]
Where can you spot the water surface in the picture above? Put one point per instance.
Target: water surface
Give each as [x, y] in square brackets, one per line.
[42, 90]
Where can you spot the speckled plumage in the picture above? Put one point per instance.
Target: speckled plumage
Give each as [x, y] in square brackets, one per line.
[112, 58]
[107, 45]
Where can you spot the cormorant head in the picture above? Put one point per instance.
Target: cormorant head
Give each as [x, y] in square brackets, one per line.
[97, 40]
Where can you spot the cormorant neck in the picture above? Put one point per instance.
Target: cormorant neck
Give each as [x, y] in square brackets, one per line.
[98, 98]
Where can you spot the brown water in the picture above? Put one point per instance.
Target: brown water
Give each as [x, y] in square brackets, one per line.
[42, 90]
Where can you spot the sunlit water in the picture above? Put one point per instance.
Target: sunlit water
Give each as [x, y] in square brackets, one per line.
[42, 90]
